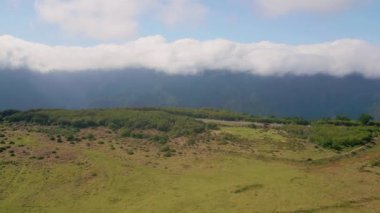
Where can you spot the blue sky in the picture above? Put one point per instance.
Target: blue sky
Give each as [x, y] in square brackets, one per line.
[225, 19]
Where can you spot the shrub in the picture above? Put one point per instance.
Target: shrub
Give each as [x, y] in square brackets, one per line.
[125, 132]
[339, 137]
[70, 138]
[137, 135]
[165, 149]
[365, 119]
[89, 136]
[161, 139]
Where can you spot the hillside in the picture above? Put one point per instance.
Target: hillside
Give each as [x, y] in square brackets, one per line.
[188, 160]
[289, 95]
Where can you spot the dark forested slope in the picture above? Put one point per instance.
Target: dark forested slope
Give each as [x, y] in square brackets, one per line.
[307, 96]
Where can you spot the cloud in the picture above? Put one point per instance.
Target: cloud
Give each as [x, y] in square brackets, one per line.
[275, 8]
[116, 19]
[188, 56]
[176, 12]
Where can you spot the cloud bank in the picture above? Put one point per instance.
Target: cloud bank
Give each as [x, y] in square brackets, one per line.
[115, 19]
[275, 8]
[187, 56]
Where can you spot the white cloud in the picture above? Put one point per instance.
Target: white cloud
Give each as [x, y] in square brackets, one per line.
[275, 8]
[187, 56]
[114, 19]
[175, 12]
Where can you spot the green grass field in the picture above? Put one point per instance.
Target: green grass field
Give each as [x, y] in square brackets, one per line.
[231, 169]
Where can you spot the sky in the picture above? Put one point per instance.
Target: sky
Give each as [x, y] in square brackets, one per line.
[266, 37]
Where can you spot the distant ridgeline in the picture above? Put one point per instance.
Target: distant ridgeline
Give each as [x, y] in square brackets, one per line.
[310, 97]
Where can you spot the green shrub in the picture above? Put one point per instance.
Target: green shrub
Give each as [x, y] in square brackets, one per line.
[165, 149]
[161, 139]
[365, 119]
[125, 132]
[339, 137]
[89, 136]
[70, 138]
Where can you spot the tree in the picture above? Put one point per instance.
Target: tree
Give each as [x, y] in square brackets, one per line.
[365, 119]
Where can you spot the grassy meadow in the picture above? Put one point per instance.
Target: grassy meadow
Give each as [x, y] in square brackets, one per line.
[122, 164]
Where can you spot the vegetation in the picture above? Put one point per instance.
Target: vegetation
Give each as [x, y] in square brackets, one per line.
[339, 137]
[113, 118]
[375, 163]
[206, 113]
[365, 119]
[145, 160]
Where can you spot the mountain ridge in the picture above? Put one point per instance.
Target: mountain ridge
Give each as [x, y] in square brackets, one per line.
[307, 96]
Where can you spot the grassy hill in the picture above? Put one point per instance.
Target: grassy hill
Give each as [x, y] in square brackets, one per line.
[184, 160]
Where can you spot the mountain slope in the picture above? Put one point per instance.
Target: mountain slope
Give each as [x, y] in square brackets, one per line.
[307, 96]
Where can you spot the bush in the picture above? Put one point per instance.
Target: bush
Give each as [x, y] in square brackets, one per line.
[168, 152]
[365, 119]
[89, 136]
[125, 132]
[70, 138]
[161, 139]
[339, 137]
[138, 135]
[165, 149]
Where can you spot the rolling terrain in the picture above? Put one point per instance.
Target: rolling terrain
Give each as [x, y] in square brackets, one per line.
[183, 160]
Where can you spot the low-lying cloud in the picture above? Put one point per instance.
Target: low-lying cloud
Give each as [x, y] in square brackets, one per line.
[188, 56]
